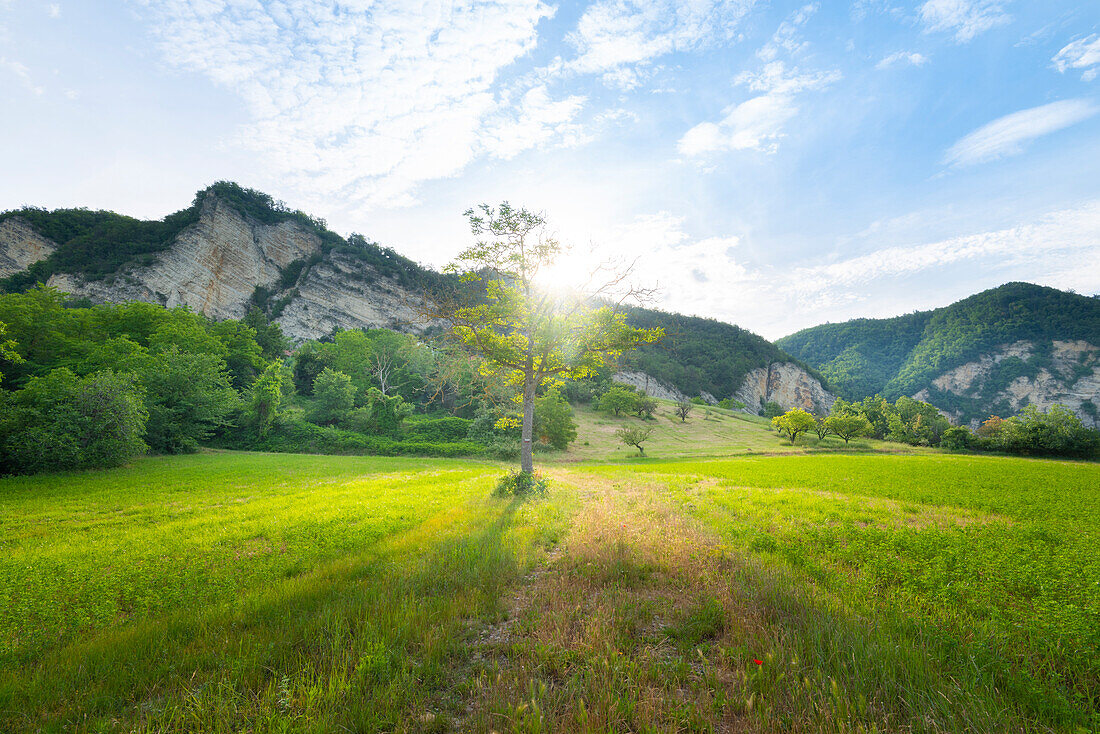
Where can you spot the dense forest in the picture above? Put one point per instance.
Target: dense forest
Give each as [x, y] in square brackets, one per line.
[93, 386]
[902, 355]
[701, 355]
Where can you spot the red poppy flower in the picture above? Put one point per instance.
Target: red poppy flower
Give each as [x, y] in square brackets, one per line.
[758, 662]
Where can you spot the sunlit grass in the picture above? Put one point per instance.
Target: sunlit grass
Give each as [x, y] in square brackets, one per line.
[223, 591]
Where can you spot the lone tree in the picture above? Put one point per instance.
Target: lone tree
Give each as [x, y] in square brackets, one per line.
[683, 409]
[849, 426]
[635, 436]
[530, 336]
[794, 423]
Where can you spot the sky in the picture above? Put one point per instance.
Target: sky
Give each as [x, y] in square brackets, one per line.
[771, 164]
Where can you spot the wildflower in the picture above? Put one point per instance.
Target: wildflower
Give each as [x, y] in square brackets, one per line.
[758, 662]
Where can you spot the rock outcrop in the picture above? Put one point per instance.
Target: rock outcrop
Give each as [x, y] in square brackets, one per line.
[788, 385]
[21, 246]
[1071, 377]
[340, 292]
[213, 267]
[651, 386]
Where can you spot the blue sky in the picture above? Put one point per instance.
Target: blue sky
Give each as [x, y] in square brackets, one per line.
[775, 165]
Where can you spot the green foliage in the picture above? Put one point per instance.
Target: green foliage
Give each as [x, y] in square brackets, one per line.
[848, 426]
[293, 435]
[438, 429]
[731, 404]
[771, 409]
[522, 484]
[189, 396]
[386, 412]
[268, 334]
[554, 422]
[794, 423]
[619, 399]
[8, 350]
[634, 436]
[334, 397]
[645, 407]
[266, 396]
[901, 356]
[61, 421]
[957, 438]
[699, 354]
[1057, 432]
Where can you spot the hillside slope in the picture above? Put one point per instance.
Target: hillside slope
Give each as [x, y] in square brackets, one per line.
[991, 353]
[234, 248]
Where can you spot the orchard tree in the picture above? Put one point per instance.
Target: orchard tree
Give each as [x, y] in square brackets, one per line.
[794, 423]
[617, 400]
[635, 436]
[528, 335]
[849, 426]
[684, 408]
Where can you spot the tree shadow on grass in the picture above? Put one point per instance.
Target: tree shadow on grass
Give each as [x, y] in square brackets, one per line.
[362, 641]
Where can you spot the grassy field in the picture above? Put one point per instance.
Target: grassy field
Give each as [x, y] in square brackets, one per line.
[709, 431]
[839, 592]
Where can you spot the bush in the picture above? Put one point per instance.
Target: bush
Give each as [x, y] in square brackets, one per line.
[521, 484]
[61, 421]
[189, 397]
[437, 429]
[771, 409]
[554, 422]
[335, 396]
[302, 437]
[957, 438]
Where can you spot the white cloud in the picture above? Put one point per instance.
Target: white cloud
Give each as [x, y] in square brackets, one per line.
[1084, 53]
[54, 10]
[1007, 135]
[540, 119]
[21, 73]
[902, 58]
[613, 35]
[757, 123]
[965, 18]
[366, 100]
[1057, 237]
[786, 37]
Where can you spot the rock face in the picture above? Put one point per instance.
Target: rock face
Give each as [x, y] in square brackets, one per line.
[788, 385]
[21, 246]
[649, 385]
[341, 293]
[1070, 378]
[214, 266]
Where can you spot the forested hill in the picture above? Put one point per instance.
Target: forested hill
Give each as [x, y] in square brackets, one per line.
[700, 354]
[236, 248]
[906, 354]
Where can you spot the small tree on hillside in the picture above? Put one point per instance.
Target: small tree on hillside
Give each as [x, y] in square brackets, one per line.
[635, 436]
[793, 423]
[683, 409]
[821, 428]
[645, 407]
[530, 336]
[335, 396]
[849, 426]
[617, 400]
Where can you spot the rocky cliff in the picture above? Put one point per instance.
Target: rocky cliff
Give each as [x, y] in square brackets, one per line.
[1059, 372]
[21, 246]
[215, 266]
[788, 385]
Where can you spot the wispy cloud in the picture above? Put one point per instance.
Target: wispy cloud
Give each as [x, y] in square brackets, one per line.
[21, 74]
[1084, 53]
[787, 37]
[618, 38]
[757, 123]
[965, 18]
[902, 58]
[1061, 233]
[1008, 135]
[366, 101]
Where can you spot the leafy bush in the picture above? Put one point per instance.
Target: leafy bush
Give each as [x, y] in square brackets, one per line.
[771, 409]
[334, 396]
[554, 421]
[449, 428]
[299, 436]
[619, 399]
[189, 397]
[61, 421]
[521, 484]
[957, 438]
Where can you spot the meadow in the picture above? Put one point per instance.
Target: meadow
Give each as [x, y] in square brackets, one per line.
[817, 591]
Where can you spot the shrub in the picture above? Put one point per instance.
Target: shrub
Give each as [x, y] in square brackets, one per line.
[448, 428]
[188, 397]
[956, 438]
[335, 396]
[60, 421]
[521, 484]
[771, 410]
[554, 422]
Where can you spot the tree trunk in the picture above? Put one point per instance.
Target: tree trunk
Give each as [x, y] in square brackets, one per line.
[526, 460]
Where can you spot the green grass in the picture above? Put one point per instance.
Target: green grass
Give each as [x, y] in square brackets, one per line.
[229, 591]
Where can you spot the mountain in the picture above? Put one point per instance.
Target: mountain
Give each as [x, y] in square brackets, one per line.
[989, 354]
[234, 248]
